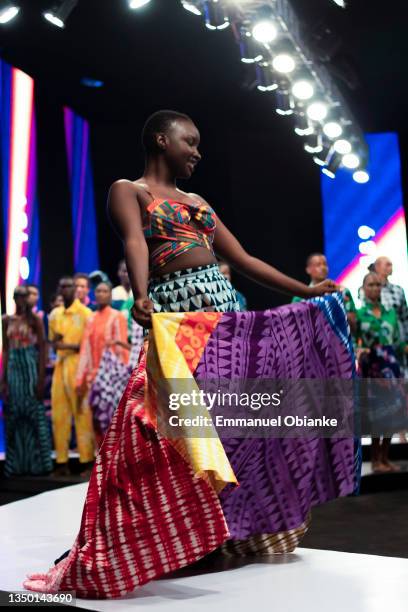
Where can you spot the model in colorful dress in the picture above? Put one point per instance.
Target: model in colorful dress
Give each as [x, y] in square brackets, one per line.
[105, 331]
[28, 444]
[151, 508]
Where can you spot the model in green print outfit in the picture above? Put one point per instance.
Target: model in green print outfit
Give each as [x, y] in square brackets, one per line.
[28, 445]
[379, 352]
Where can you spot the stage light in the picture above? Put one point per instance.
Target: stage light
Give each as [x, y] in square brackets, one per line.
[303, 90]
[313, 143]
[328, 173]
[60, 12]
[137, 4]
[332, 163]
[264, 31]
[215, 16]
[340, 3]
[317, 111]
[283, 63]
[284, 102]
[250, 50]
[361, 176]
[351, 160]
[8, 12]
[192, 8]
[266, 81]
[342, 146]
[302, 125]
[332, 129]
[324, 157]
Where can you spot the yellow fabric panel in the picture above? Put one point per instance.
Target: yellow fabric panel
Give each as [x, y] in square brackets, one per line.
[168, 372]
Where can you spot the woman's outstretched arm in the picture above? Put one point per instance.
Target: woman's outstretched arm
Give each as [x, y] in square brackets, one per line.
[230, 249]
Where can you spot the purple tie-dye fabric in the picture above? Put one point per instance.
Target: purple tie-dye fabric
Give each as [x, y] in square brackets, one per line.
[281, 479]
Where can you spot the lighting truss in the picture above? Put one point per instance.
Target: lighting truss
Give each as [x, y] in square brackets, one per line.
[243, 15]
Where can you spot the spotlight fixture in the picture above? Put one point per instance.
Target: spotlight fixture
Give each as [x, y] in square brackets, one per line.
[361, 176]
[323, 157]
[317, 111]
[302, 125]
[332, 129]
[284, 102]
[351, 160]
[313, 143]
[137, 4]
[192, 7]
[59, 12]
[342, 146]
[215, 16]
[8, 12]
[265, 78]
[303, 90]
[332, 165]
[264, 31]
[250, 49]
[340, 3]
[283, 63]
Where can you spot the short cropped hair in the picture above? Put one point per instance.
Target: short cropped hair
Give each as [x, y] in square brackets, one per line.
[82, 275]
[367, 276]
[104, 282]
[310, 257]
[159, 123]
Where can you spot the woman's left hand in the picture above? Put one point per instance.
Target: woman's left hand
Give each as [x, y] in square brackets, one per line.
[327, 286]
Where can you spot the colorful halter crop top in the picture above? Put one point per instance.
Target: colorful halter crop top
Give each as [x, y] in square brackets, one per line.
[180, 227]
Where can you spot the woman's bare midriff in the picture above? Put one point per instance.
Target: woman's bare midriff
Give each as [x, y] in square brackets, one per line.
[198, 256]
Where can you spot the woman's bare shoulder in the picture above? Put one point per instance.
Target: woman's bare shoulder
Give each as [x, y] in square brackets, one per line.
[137, 188]
[124, 185]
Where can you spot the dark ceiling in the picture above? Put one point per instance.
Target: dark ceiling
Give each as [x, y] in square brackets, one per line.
[162, 56]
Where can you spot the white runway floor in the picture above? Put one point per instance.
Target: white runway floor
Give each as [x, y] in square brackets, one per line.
[37, 530]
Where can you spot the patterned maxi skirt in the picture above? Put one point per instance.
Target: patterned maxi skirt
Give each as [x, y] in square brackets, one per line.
[205, 289]
[154, 504]
[28, 444]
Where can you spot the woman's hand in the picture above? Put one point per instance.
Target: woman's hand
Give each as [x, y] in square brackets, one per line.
[327, 286]
[142, 310]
